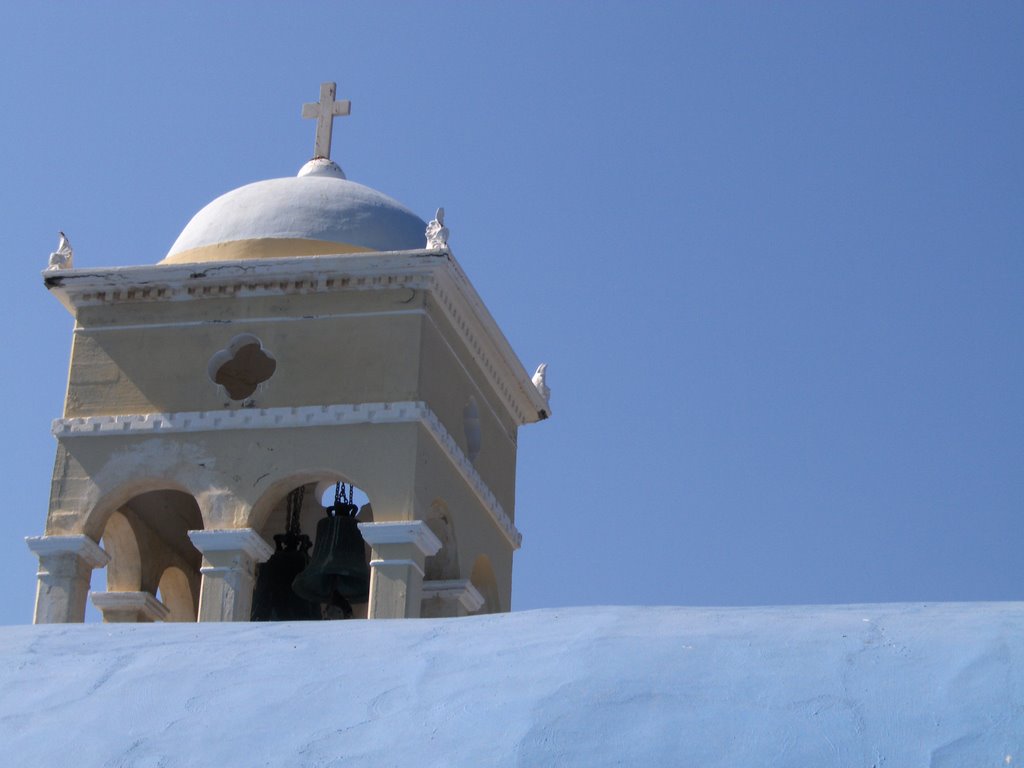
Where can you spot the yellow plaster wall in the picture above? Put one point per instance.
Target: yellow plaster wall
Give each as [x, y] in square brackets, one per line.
[326, 352]
[445, 385]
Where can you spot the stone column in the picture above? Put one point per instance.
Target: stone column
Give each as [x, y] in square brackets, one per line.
[397, 551]
[454, 597]
[129, 607]
[65, 569]
[229, 571]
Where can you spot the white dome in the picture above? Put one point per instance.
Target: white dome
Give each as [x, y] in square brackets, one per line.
[317, 212]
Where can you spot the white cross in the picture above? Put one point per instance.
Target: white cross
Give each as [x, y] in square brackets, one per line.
[324, 112]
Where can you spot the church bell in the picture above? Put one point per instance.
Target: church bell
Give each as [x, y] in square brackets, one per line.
[273, 598]
[337, 574]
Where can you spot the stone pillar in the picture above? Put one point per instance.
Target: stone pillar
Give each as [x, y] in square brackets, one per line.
[229, 571]
[454, 597]
[397, 551]
[129, 607]
[65, 568]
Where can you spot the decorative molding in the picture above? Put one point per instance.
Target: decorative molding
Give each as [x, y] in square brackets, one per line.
[434, 271]
[402, 532]
[241, 418]
[232, 540]
[455, 589]
[76, 544]
[290, 418]
[77, 288]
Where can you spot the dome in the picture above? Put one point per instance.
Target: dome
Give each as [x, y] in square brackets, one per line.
[317, 212]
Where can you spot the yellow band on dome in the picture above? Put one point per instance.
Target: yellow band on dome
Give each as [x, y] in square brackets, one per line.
[262, 248]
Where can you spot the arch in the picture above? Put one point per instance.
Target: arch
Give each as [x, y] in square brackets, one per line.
[178, 593]
[483, 579]
[278, 489]
[445, 564]
[95, 519]
[150, 550]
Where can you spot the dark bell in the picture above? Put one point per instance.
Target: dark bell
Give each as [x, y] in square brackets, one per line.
[273, 598]
[337, 573]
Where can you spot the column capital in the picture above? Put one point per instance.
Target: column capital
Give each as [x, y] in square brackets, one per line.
[244, 540]
[414, 532]
[129, 606]
[79, 545]
[455, 589]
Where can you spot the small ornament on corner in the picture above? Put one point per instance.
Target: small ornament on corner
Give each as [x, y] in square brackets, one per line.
[437, 232]
[63, 257]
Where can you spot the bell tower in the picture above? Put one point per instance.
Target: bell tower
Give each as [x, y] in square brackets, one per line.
[298, 335]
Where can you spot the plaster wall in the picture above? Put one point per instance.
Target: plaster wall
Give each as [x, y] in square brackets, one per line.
[337, 348]
[448, 378]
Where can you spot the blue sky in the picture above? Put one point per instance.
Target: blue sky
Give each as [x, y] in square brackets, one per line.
[771, 253]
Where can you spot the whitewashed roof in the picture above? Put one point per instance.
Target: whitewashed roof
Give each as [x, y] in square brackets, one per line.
[835, 686]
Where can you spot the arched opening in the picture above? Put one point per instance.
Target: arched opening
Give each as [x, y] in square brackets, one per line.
[445, 591]
[485, 583]
[320, 567]
[177, 591]
[147, 538]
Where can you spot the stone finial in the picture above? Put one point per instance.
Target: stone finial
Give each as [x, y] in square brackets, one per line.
[63, 257]
[540, 381]
[437, 232]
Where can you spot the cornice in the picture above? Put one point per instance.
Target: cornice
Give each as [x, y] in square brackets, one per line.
[77, 288]
[290, 418]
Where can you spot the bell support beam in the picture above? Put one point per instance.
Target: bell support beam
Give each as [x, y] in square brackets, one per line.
[397, 552]
[65, 569]
[229, 571]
